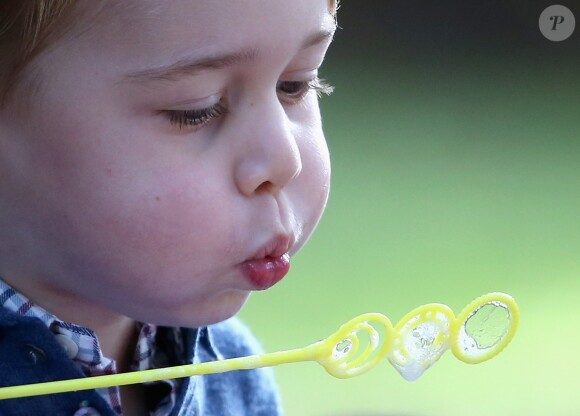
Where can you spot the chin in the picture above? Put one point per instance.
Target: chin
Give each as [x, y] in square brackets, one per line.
[227, 306]
[202, 313]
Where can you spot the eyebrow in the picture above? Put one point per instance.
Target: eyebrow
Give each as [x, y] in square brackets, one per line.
[319, 37]
[189, 67]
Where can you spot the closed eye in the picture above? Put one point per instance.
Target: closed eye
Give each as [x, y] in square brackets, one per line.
[292, 92]
[195, 117]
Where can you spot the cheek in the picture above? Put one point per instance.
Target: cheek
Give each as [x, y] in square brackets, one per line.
[171, 242]
[193, 221]
[143, 218]
[315, 175]
[169, 220]
[313, 184]
[316, 155]
[317, 168]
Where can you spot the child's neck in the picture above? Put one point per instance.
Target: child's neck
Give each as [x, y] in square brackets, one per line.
[122, 350]
[118, 340]
[133, 401]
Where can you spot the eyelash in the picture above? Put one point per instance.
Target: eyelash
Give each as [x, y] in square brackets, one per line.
[318, 85]
[197, 118]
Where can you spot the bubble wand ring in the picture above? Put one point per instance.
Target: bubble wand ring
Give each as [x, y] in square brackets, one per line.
[481, 331]
[423, 335]
[340, 354]
[485, 327]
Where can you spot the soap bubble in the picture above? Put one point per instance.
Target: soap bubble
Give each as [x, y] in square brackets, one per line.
[422, 337]
[486, 326]
[342, 349]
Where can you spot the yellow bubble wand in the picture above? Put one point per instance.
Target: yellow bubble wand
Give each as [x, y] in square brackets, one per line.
[480, 332]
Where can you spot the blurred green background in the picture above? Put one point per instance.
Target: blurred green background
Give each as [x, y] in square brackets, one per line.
[454, 132]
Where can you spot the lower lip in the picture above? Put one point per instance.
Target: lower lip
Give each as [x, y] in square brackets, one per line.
[265, 273]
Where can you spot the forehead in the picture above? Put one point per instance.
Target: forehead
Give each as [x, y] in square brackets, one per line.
[152, 30]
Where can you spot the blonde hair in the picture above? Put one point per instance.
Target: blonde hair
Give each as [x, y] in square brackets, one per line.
[27, 26]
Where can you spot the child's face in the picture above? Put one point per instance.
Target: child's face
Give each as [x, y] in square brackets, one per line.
[119, 204]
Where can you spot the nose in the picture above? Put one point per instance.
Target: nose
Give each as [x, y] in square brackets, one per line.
[269, 155]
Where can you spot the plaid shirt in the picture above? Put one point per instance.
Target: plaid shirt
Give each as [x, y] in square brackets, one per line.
[149, 353]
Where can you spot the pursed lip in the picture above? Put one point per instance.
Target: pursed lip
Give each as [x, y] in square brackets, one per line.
[276, 247]
[269, 264]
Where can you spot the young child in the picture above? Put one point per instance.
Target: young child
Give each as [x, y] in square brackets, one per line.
[159, 161]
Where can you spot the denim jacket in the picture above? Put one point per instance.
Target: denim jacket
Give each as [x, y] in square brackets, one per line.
[29, 353]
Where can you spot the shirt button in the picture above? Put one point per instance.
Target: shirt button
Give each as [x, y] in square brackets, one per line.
[87, 411]
[71, 347]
